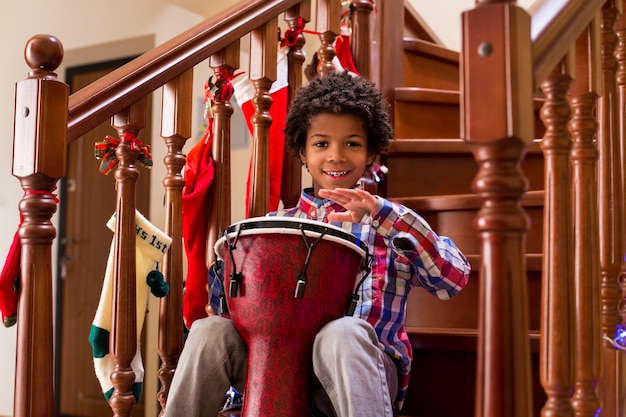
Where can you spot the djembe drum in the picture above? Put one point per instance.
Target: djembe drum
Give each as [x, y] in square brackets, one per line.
[284, 279]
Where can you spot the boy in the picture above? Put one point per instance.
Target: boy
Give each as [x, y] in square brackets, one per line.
[337, 125]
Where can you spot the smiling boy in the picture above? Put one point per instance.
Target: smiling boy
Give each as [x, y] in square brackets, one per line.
[337, 125]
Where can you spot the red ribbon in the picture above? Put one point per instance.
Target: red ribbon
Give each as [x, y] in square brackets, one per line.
[292, 35]
[40, 192]
[223, 85]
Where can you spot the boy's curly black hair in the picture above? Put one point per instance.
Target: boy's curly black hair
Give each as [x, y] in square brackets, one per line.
[339, 92]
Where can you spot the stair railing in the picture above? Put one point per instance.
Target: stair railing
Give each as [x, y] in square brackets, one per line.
[47, 118]
[569, 52]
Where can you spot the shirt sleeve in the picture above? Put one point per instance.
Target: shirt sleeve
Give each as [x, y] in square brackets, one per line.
[436, 263]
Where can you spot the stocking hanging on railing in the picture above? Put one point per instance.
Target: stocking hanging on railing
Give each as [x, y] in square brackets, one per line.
[244, 93]
[198, 174]
[10, 276]
[150, 247]
[343, 50]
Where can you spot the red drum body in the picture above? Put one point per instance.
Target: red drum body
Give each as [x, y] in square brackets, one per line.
[284, 279]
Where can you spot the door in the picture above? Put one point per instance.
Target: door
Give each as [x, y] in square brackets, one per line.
[87, 203]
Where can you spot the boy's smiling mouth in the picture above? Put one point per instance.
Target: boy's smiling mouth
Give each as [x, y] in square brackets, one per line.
[336, 173]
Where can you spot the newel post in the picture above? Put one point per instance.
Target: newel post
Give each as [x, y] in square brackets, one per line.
[38, 162]
[497, 75]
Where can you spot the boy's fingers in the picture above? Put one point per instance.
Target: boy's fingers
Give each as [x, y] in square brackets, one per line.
[347, 216]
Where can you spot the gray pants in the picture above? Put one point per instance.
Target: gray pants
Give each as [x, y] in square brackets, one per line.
[355, 378]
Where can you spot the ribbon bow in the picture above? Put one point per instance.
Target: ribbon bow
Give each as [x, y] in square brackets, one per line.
[222, 85]
[291, 35]
[105, 152]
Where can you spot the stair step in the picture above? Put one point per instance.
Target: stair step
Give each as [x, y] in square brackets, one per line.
[439, 338]
[429, 65]
[444, 166]
[453, 216]
[435, 113]
[426, 113]
[458, 316]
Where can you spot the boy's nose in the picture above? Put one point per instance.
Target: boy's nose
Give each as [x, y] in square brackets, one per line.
[336, 155]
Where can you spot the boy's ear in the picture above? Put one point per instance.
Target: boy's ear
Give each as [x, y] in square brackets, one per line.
[302, 156]
[371, 158]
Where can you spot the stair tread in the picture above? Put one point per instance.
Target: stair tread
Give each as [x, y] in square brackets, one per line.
[461, 201]
[426, 95]
[421, 46]
[452, 331]
[442, 145]
[440, 95]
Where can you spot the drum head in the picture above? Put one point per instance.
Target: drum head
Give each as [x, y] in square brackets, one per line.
[290, 225]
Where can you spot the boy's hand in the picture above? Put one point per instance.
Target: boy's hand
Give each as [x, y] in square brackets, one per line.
[358, 202]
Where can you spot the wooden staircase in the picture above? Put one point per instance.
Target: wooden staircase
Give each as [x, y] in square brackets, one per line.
[477, 354]
[431, 170]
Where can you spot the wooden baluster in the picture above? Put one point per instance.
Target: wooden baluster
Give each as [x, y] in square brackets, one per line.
[328, 23]
[497, 52]
[620, 55]
[611, 240]
[611, 214]
[557, 313]
[224, 64]
[123, 342]
[175, 129]
[263, 71]
[583, 125]
[361, 36]
[39, 148]
[291, 183]
[387, 48]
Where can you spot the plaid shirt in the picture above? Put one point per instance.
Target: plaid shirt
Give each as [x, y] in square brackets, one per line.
[405, 253]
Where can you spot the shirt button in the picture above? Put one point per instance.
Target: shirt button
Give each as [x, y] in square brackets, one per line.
[375, 223]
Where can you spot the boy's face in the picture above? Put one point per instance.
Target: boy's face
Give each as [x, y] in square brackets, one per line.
[336, 151]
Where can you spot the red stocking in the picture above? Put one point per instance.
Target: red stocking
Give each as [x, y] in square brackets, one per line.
[9, 281]
[195, 206]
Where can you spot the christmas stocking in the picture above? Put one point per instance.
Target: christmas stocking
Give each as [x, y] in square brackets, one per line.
[198, 175]
[9, 281]
[244, 93]
[151, 245]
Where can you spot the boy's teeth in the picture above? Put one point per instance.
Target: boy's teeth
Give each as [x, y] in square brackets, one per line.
[337, 173]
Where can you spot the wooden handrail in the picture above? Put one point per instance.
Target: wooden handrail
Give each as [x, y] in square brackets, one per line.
[119, 89]
[555, 26]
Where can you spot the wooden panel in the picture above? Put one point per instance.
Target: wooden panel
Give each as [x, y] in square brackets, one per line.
[426, 120]
[442, 384]
[427, 314]
[440, 173]
[431, 174]
[459, 226]
[435, 113]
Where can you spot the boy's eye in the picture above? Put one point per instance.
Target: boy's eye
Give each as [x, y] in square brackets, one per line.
[320, 144]
[354, 144]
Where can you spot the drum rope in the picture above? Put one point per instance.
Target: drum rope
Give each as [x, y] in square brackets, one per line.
[302, 278]
[235, 277]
